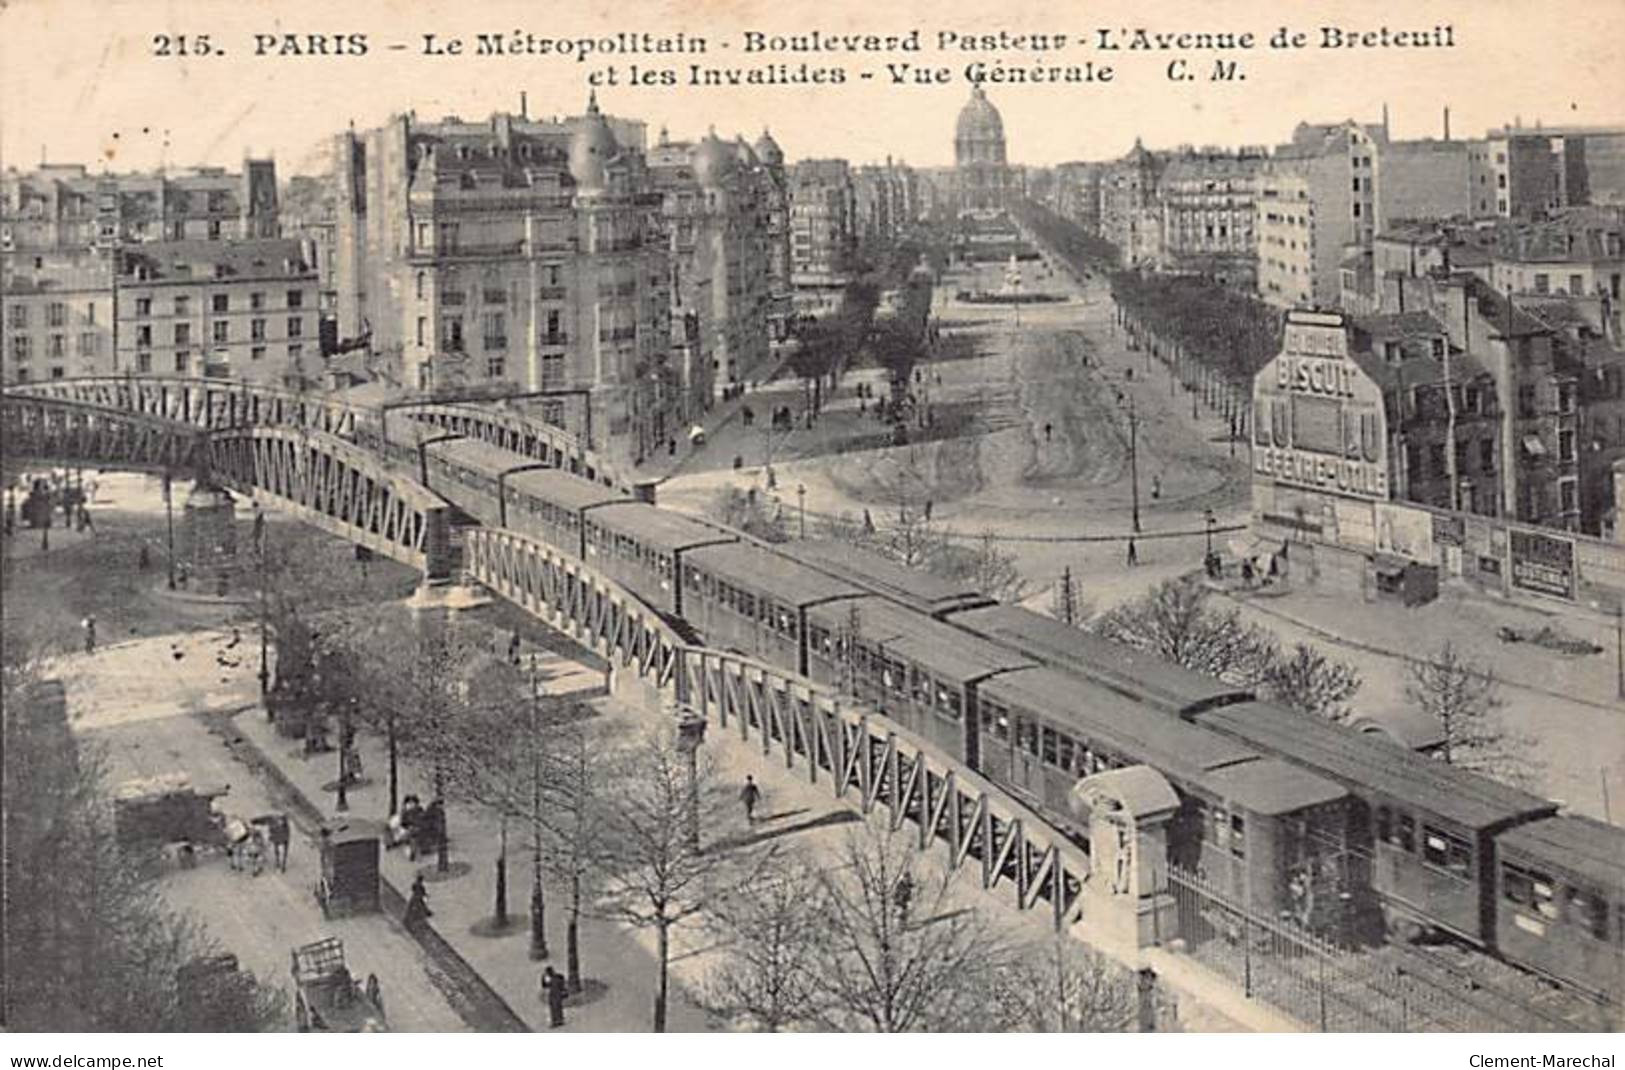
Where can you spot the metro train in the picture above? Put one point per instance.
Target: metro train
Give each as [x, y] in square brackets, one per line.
[1272, 802]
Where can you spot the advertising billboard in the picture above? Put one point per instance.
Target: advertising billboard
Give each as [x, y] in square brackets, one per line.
[1318, 419]
[1541, 562]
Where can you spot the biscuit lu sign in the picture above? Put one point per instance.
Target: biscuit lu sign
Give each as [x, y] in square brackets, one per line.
[1318, 419]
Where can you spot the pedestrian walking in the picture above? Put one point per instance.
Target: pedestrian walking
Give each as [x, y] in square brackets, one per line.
[143, 560]
[553, 990]
[902, 896]
[513, 648]
[84, 521]
[279, 841]
[928, 510]
[750, 795]
[417, 907]
[1049, 432]
[1133, 556]
[1156, 487]
[89, 625]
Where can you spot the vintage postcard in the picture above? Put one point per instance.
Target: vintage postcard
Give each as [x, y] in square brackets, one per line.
[814, 517]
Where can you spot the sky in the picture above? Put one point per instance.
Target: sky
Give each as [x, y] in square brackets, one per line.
[80, 81]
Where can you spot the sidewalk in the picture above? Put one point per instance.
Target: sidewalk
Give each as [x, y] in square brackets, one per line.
[623, 998]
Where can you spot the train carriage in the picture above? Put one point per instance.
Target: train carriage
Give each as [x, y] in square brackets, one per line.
[920, 673]
[1138, 674]
[1431, 826]
[742, 597]
[882, 576]
[640, 547]
[1560, 907]
[1249, 825]
[549, 505]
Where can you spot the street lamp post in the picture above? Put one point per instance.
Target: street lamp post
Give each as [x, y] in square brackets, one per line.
[1134, 462]
[1619, 645]
[801, 503]
[690, 734]
[538, 898]
[265, 611]
[169, 520]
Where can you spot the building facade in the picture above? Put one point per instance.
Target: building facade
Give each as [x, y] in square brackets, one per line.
[57, 320]
[66, 209]
[823, 213]
[513, 255]
[1130, 213]
[1208, 214]
[243, 310]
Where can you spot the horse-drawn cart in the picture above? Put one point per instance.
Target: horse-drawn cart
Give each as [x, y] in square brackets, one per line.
[327, 998]
[349, 879]
[166, 810]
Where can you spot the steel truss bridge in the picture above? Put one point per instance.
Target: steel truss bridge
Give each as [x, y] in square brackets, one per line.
[300, 451]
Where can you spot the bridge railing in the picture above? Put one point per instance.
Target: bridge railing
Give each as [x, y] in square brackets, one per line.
[849, 749]
[208, 404]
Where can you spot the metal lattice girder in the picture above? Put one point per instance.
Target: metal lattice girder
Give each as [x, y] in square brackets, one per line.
[892, 768]
[518, 434]
[339, 488]
[592, 609]
[70, 432]
[206, 404]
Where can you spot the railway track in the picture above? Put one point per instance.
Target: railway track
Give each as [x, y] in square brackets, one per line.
[1486, 994]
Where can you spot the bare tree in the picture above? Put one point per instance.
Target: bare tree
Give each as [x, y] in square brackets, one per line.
[985, 566]
[1064, 987]
[1176, 621]
[767, 930]
[892, 953]
[580, 777]
[653, 872]
[1307, 680]
[746, 511]
[1464, 697]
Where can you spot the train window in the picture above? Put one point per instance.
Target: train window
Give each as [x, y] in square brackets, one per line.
[1047, 742]
[1238, 836]
[1545, 896]
[919, 687]
[946, 698]
[1063, 751]
[1026, 735]
[1406, 839]
[747, 605]
[995, 720]
[954, 709]
[1589, 911]
[1447, 852]
[1221, 825]
[1517, 885]
[1385, 825]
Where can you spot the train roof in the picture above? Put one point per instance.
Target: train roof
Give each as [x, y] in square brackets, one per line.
[770, 573]
[660, 528]
[1167, 743]
[1123, 668]
[475, 454]
[563, 489]
[1270, 787]
[883, 576]
[1578, 844]
[940, 648]
[1358, 760]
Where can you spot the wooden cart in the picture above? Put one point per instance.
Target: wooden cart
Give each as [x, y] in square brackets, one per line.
[168, 809]
[349, 879]
[327, 998]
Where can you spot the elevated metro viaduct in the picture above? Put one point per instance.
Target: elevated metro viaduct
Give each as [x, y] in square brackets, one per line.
[306, 455]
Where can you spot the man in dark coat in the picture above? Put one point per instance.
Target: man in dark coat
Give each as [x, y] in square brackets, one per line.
[553, 987]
